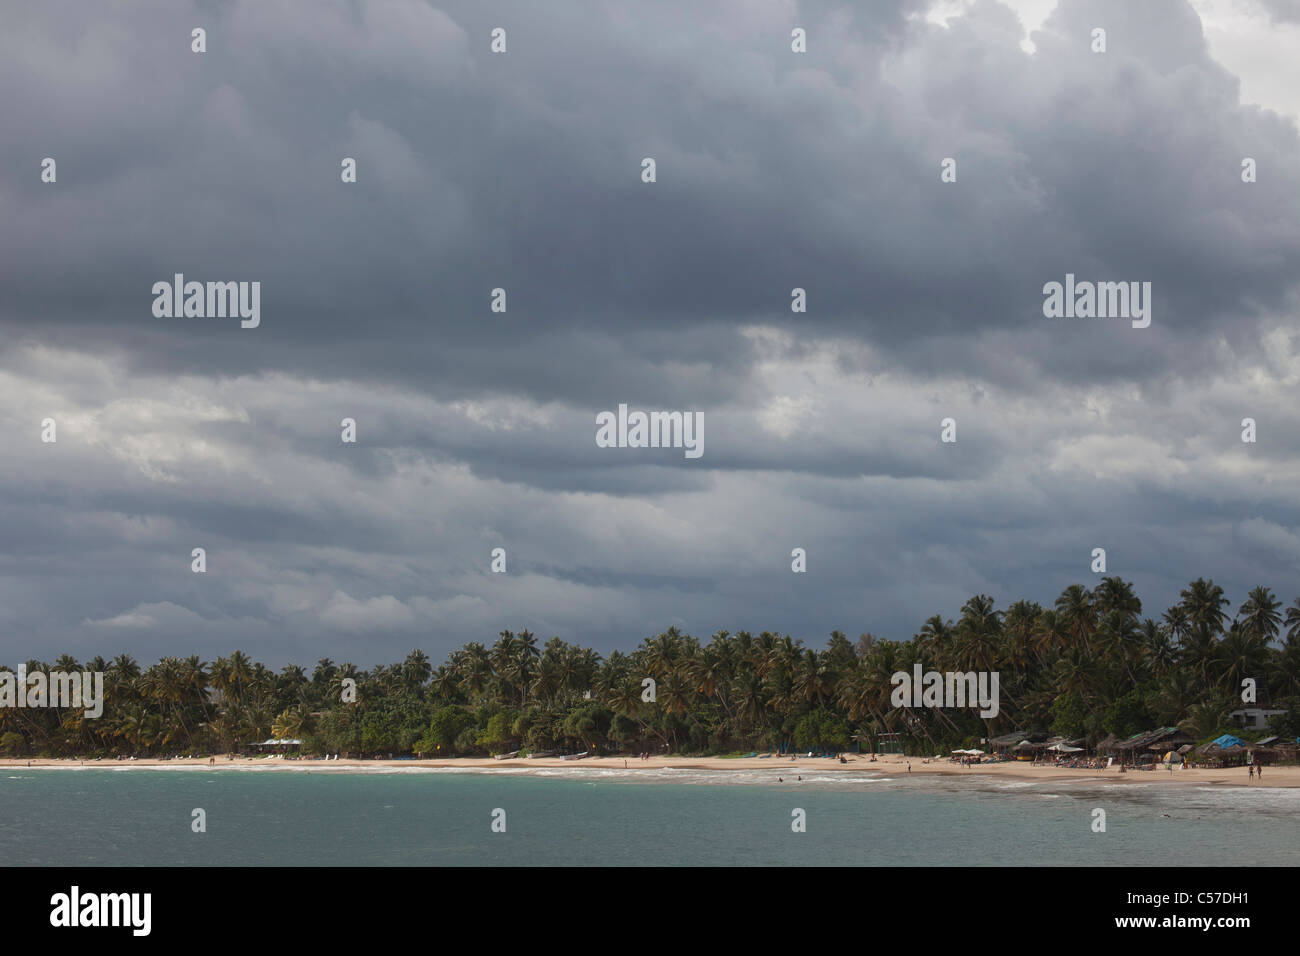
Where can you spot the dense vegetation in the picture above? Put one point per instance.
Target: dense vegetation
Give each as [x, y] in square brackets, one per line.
[1088, 666]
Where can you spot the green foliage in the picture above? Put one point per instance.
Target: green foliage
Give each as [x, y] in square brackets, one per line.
[820, 731]
[1069, 716]
[1287, 726]
[1128, 715]
[1085, 666]
[445, 730]
[498, 736]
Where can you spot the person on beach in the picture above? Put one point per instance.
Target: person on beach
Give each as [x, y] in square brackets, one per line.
[1250, 772]
[1259, 771]
[909, 766]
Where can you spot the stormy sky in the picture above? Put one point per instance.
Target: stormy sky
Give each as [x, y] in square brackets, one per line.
[522, 170]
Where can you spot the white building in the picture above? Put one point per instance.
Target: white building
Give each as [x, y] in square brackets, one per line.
[1253, 718]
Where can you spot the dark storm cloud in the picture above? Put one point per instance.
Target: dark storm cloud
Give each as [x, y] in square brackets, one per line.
[477, 430]
[521, 171]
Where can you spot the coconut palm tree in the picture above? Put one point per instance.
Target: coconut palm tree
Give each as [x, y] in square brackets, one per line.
[1204, 602]
[1240, 655]
[416, 670]
[1259, 614]
[1293, 619]
[1078, 614]
[1158, 649]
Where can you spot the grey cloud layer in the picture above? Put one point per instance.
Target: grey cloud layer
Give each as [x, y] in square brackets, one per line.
[522, 171]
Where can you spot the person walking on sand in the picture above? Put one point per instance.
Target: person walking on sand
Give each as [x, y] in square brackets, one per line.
[1250, 772]
[909, 766]
[1259, 771]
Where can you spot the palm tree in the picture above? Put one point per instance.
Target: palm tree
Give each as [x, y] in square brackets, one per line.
[1240, 654]
[1078, 614]
[814, 680]
[1293, 619]
[662, 653]
[1286, 668]
[1259, 614]
[978, 633]
[934, 641]
[1204, 602]
[476, 669]
[1114, 594]
[288, 724]
[1178, 690]
[416, 669]
[1158, 649]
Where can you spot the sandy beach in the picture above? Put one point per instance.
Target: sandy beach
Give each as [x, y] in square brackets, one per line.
[1288, 776]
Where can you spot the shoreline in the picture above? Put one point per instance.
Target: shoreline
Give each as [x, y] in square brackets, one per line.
[887, 765]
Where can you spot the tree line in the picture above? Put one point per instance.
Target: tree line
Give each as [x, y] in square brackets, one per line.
[1088, 666]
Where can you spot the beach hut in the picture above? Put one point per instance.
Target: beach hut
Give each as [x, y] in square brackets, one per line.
[1026, 750]
[1224, 751]
[1172, 745]
[1107, 744]
[1149, 744]
[283, 745]
[1285, 750]
[1008, 743]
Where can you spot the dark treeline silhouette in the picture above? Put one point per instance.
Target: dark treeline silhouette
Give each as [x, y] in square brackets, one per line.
[1088, 666]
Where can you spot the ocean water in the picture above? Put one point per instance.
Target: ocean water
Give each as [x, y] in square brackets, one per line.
[417, 817]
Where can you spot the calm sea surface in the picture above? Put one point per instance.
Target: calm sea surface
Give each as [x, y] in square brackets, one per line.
[110, 817]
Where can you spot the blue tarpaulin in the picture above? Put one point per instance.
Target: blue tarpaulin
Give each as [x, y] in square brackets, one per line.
[1227, 740]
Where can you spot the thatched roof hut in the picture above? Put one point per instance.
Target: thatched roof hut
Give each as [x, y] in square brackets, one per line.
[1162, 739]
[1222, 756]
[1008, 741]
[1287, 751]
